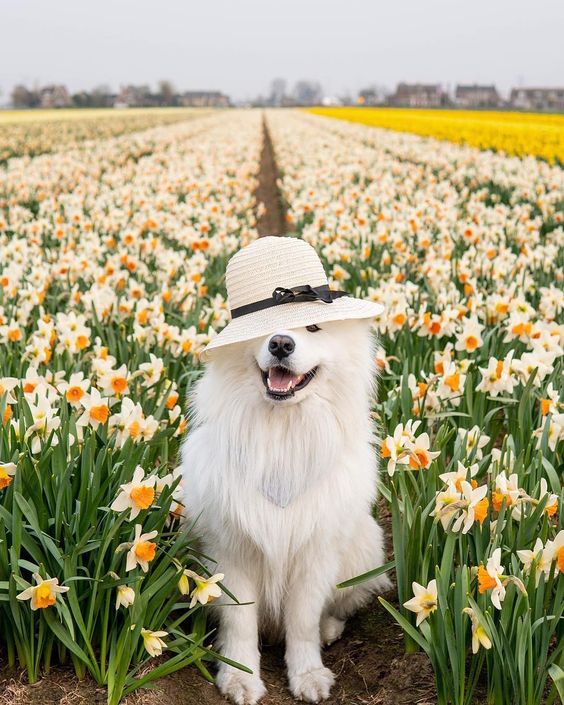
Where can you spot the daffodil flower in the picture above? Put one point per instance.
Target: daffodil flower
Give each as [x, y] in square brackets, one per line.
[460, 475]
[136, 495]
[44, 593]
[125, 596]
[205, 589]
[489, 578]
[541, 554]
[7, 472]
[424, 601]
[141, 551]
[479, 635]
[153, 641]
[420, 457]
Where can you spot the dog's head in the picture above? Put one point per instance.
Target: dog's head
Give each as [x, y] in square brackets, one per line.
[325, 362]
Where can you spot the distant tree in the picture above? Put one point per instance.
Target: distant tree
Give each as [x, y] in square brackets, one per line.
[101, 97]
[308, 93]
[22, 97]
[277, 92]
[167, 94]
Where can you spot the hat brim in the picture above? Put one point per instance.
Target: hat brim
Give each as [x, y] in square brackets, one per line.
[291, 315]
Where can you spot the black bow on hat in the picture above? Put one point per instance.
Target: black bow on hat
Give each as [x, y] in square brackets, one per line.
[281, 295]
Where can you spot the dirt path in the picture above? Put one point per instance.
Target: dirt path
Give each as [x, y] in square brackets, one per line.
[273, 221]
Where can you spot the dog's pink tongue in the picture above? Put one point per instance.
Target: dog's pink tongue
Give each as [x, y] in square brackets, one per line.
[280, 379]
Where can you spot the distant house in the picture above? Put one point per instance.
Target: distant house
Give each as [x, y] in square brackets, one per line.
[135, 97]
[204, 99]
[475, 96]
[418, 95]
[537, 99]
[54, 96]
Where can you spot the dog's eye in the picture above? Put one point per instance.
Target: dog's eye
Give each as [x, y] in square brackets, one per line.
[313, 329]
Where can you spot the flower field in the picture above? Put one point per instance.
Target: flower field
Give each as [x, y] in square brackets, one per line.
[107, 250]
[522, 134]
[32, 132]
[112, 253]
[465, 251]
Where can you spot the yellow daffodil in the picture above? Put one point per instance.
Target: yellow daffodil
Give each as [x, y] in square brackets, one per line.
[153, 641]
[479, 634]
[44, 593]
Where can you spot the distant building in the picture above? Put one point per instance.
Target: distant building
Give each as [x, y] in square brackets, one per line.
[135, 97]
[204, 99]
[54, 96]
[419, 95]
[475, 96]
[537, 99]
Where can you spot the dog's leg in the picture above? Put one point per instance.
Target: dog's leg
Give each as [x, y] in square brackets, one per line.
[238, 638]
[310, 586]
[364, 552]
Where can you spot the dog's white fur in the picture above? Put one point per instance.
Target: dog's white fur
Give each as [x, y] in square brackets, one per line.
[282, 492]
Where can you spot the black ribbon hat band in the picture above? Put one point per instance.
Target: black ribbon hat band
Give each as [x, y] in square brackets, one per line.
[280, 295]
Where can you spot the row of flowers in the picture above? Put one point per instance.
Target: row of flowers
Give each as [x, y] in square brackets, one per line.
[464, 249]
[112, 254]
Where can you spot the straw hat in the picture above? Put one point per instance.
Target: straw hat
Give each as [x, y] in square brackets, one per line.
[279, 282]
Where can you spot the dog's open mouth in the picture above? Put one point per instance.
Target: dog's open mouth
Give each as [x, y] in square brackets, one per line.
[281, 383]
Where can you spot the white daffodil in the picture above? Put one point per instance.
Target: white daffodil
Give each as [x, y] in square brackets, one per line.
[125, 596]
[424, 601]
[153, 641]
[205, 589]
[474, 440]
[447, 504]
[7, 472]
[420, 457]
[473, 506]
[541, 554]
[489, 578]
[137, 495]
[394, 449]
[141, 551]
[461, 474]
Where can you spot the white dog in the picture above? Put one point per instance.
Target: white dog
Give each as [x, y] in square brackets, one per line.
[280, 470]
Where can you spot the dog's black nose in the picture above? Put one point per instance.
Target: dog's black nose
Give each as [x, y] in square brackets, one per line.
[281, 346]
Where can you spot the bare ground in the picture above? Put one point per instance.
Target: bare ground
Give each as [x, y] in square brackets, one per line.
[368, 662]
[273, 220]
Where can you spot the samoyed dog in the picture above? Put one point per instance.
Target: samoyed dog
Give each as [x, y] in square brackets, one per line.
[279, 470]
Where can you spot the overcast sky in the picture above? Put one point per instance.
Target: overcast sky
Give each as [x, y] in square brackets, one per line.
[239, 46]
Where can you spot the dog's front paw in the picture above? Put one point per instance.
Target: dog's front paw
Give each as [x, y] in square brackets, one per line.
[240, 687]
[312, 686]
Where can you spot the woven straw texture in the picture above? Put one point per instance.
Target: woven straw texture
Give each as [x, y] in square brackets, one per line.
[270, 262]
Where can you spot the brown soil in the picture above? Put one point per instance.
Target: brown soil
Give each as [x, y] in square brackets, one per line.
[368, 662]
[273, 220]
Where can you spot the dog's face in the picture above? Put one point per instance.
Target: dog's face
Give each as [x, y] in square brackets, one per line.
[291, 365]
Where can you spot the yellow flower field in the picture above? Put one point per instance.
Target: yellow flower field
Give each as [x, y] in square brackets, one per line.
[521, 134]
